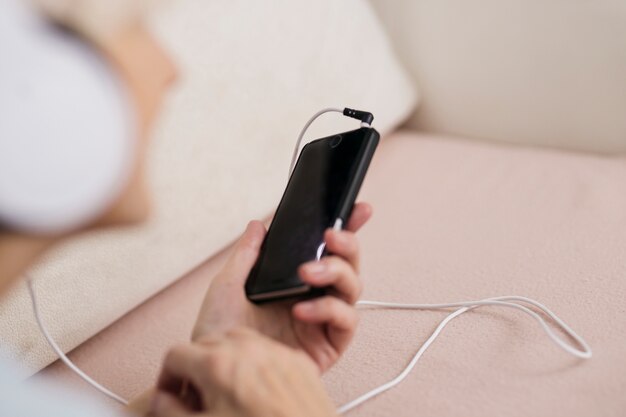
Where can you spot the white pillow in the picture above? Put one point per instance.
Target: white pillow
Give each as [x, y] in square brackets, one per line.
[251, 75]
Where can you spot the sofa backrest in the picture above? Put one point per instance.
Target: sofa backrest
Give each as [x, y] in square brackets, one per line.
[251, 74]
[530, 72]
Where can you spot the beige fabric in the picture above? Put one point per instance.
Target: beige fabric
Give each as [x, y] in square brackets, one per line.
[453, 220]
[252, 74]
[531, 72]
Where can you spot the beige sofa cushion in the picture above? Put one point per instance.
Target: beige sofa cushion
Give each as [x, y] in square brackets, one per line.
[546, 73]
[252, 74]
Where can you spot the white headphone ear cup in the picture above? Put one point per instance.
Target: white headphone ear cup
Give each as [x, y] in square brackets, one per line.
[65, 133]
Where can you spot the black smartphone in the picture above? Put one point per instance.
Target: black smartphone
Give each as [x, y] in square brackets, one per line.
[320, 194]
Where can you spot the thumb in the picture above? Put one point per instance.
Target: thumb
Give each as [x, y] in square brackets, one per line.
[166, 405]
[246, 251]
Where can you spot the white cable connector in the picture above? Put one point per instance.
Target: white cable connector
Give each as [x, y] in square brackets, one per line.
[345, 111]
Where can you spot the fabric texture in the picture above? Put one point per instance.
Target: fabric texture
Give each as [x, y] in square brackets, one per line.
[453, 220]
[220, 153]
[544, 73]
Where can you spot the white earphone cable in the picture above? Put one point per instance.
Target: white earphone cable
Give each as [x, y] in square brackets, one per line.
[505, 301]
[584, 353]
[463, 306]
[55, 347]
[61, 354]
[296, 149]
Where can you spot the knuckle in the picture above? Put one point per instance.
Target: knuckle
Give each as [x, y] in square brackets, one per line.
[348, 280]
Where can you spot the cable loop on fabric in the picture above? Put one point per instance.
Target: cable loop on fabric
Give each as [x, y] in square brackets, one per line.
[465, 306]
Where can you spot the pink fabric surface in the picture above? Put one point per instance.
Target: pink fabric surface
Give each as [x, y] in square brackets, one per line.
[454, 220]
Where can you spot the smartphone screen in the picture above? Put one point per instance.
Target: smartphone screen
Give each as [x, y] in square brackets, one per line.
[322, 188]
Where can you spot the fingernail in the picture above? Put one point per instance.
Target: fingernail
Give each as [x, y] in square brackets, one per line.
[315, 268]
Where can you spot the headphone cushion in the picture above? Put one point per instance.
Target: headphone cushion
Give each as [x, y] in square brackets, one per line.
[65, 133]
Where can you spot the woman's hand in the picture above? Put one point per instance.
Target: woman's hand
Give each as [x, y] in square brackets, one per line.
[321, 327]
[240, 373]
